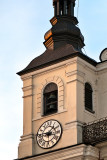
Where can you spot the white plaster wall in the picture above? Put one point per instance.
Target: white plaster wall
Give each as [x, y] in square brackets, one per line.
[102, 89]
[86, 73]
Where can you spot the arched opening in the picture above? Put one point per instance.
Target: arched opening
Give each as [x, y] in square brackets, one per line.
[88, 97]
[50, 96]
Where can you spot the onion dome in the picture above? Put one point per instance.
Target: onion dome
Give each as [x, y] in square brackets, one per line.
[64, 27]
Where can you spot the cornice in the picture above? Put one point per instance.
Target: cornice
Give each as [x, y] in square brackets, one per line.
[72, 152]
[49, 68]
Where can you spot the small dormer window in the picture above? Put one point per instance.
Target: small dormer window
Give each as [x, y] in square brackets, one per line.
[50, 99]
[88, 97]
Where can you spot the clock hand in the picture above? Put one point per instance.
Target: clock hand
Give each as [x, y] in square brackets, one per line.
[47, 134]
[51, 128]
[41, 134]
[48, 140]
[50, 133]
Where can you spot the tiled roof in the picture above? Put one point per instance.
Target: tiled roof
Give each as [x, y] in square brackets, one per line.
[50, 57]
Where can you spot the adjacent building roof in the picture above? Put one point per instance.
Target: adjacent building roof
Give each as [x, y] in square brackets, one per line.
[50, 57]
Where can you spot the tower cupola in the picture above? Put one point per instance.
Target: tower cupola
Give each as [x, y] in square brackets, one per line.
[63, 7]
[64, 27]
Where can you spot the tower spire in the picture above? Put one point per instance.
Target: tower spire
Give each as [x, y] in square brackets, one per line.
[64, 30]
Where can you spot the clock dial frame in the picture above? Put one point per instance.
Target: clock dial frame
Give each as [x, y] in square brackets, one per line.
[103, 55]
[49, 134]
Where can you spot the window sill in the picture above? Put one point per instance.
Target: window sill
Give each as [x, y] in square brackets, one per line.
[48, 114]
[45, 116]
[89, 110]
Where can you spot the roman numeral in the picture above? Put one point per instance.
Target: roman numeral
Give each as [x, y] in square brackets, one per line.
[43, 144]
[39, 135]
[48, 123]
[47, 145]
[56, 137]
[57, 132]
[44, 125]
[41, 130]
[52, 142]
[56, 126]
[40, 140]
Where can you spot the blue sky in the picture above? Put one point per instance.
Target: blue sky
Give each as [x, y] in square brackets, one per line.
[23, 24]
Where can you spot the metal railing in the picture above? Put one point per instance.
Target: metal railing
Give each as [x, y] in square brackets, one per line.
[95, 132]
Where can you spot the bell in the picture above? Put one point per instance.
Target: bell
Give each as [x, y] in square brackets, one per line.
[52, 97]
[52, 106]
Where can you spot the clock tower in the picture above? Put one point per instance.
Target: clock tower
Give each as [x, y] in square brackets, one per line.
[60, 95]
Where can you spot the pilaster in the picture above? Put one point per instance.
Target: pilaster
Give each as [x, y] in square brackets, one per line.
[26, 144]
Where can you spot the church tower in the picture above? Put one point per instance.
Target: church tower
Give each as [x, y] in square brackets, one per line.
[62, 90]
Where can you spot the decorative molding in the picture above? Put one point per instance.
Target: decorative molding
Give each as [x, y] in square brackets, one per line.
[90, 113]
[72, 61]
[86, 65]
[57, 80]
[102, 71]
[25, 137]
[27, 88]
[76, 72]
[40, 117]
[91, 152]
[78, 152]
[26, 78]
[49, 68]
[27, 96]
[75, 80]
[73, 124]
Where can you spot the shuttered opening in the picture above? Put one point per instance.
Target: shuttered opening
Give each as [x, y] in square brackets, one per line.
[88, 97]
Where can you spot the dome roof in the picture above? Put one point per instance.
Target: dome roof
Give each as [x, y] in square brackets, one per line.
[64, 29]
[48, 34]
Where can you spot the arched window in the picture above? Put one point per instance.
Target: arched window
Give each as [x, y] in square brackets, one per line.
[50, 99]
[88, 97]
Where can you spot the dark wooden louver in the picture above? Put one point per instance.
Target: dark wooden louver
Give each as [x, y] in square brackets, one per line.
[88, 97]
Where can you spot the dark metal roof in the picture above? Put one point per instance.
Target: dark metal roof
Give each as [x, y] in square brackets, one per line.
[50, 57]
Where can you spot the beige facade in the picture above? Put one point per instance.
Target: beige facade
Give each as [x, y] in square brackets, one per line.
[70, 77]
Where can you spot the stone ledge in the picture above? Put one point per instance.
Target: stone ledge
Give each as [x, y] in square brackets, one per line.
[77, 152]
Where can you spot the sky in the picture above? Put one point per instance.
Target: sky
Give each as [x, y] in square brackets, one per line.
[23, 24]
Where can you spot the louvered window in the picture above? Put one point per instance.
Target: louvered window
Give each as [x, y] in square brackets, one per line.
[50, 99]
[88, 97]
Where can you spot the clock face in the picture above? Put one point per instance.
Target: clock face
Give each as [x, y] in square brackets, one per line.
[103, 55]
[49, 134]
